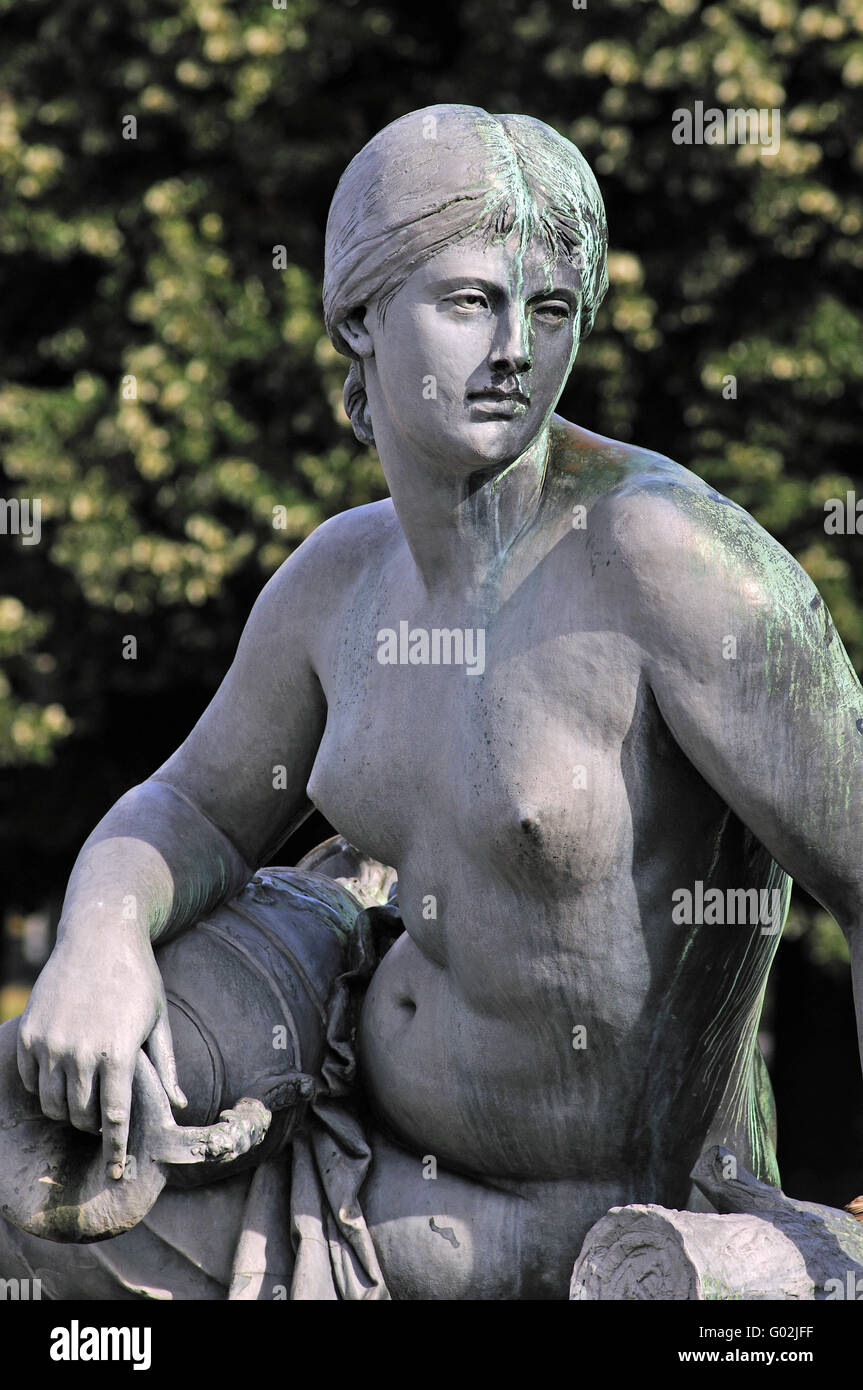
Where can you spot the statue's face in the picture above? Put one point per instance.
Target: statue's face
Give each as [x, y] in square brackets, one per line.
[474, 351]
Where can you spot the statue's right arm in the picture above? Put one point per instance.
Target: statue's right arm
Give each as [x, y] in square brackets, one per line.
[166, 853]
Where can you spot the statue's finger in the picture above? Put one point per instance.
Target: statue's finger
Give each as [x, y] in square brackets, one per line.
[28, 1067]
[116, 1098]
[160, 1050]
[82, 1095]
[52, 1091]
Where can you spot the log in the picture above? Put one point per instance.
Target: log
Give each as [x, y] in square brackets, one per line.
[760, 1245]
[652, 1252]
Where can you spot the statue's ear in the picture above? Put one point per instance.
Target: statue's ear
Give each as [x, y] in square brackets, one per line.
[356, 335]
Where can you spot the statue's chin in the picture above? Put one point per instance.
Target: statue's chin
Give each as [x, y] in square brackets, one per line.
[491, 443]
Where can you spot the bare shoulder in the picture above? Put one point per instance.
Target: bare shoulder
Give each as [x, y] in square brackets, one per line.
[685, 566]
[289, 620]
[669, 534]
[331, 559]
[341, 547]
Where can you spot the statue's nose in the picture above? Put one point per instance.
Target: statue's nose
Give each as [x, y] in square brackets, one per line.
[510, 353]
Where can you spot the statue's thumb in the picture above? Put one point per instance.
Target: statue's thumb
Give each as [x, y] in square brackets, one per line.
[160, 1048]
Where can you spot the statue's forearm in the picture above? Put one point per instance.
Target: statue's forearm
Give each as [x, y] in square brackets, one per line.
[154, 863]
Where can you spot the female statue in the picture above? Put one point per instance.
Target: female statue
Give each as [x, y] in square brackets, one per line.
[588, 709]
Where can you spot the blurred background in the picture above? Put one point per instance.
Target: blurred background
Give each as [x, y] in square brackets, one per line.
[166, 386]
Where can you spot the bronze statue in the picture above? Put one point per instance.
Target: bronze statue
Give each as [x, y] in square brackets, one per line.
[592, 714]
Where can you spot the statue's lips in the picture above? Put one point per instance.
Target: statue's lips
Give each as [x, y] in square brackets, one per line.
[504, 405]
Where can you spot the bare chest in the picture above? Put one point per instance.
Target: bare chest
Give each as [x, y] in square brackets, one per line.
[495, 732]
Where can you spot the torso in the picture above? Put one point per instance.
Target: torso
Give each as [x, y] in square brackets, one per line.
[539, 815]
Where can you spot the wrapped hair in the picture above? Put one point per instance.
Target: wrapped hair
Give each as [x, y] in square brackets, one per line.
[437, 176]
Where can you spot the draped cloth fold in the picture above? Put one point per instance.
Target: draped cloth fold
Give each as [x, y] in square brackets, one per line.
[334, 1253]
[330, 1254]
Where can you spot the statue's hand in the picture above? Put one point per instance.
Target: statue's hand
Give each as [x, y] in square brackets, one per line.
[94, 1006]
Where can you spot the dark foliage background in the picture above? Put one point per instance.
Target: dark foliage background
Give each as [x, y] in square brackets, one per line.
[152, 259]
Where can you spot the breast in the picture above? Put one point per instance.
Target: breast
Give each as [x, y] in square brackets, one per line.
[371, 777]
[518, 768]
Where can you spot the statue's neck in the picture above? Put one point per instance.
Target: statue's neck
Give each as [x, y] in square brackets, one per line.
[460, 528]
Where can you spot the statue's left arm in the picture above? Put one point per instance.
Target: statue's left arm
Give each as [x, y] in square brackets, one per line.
[753, 681]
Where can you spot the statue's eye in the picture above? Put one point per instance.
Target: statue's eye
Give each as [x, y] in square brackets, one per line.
[552, 310]
[468, 299]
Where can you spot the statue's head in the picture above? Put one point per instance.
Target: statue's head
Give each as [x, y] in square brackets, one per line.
[439, 177]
